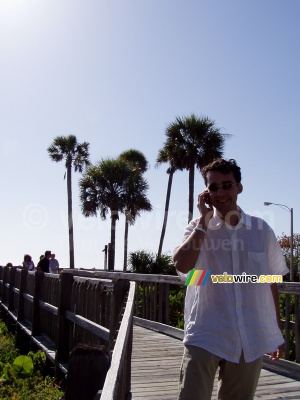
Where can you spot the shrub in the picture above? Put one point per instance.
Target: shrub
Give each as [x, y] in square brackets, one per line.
[8, 352]
[21, 376]
[147, 262]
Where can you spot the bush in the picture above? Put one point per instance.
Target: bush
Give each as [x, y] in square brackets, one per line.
[147, 262]
[21, 376]
[292, 351]
[8, 352]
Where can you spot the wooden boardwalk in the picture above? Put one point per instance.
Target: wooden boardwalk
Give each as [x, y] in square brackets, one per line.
[156, 360]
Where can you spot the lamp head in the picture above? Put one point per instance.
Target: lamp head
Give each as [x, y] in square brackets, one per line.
[267, 203]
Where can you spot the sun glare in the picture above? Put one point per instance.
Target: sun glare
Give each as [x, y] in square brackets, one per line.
[18, 8]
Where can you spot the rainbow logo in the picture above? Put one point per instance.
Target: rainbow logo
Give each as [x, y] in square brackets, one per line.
[197, 277]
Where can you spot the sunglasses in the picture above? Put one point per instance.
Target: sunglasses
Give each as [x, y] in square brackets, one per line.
[225, 186]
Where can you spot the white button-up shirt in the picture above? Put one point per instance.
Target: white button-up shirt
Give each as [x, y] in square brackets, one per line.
[228, 318]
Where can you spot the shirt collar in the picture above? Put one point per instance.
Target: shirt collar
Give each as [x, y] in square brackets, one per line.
[216, 221]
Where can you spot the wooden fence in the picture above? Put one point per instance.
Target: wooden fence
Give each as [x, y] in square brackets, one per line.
[84, 306]
[60, 313]
[152, 302]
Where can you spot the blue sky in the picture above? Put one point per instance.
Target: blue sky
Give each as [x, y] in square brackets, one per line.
[115, 73]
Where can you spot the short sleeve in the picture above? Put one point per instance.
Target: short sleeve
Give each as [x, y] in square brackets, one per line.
[276, 258]
[188, 230]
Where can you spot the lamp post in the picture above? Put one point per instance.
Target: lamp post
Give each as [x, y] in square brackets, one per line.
[286, 208]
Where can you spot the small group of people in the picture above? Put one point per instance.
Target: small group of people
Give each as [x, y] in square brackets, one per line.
[47, 263]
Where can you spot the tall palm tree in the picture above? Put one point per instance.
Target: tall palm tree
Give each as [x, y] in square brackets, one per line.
[167, 155]
[75, 155]
[191, 142]
[137, 200]
[104, 188]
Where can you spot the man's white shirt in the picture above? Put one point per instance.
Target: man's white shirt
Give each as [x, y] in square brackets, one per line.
[228, 318]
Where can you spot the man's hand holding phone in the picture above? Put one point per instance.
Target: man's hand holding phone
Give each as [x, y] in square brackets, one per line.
[207, 199]
[205, 208]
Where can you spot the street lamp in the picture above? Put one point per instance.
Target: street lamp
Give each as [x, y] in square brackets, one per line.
[286, 208]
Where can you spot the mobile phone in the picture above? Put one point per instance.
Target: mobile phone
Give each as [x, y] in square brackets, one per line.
[207, 199]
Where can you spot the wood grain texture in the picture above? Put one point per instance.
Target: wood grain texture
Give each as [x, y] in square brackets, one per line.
[156, 360]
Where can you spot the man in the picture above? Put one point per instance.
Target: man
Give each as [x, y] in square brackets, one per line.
[228, 325]
[53, 265]
[43, 264]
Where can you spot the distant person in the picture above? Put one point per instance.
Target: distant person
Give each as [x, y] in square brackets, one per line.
[28, 263]
[9, 264]
[43, 264]
[53, 264]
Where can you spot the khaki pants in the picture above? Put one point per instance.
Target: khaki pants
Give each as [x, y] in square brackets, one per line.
[198, 370]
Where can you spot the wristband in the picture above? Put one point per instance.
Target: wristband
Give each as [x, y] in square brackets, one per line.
[199, 229]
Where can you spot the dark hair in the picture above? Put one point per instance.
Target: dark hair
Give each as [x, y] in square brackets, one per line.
[27, 257]
[223, 166]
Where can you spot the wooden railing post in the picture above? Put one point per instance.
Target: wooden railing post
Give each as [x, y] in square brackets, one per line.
[287, 326]
[297, 328]
[38, 280]
[63, 328]
[24, 274]
[22, 339]
[5, 281]
[1, 280]
[11, 285]
[167, 304]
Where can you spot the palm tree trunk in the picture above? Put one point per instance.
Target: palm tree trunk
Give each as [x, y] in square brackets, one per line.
[70, 214]
[125, 244]
[191, 191]
[111, 261]
[163, 231]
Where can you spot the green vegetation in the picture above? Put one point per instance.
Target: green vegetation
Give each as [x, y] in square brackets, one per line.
[292, 351]
[146, 262]
[21, 376]
[285, 243]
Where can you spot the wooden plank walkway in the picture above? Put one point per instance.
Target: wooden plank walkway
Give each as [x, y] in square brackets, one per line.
[156, 360]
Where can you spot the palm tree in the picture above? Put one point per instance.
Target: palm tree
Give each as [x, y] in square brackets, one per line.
[104, 188]
[135, 159]
[167, 155]
[75, 155]
[191, 141]
[137, 200]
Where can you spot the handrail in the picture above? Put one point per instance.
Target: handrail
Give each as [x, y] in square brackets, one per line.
[36, 305]
[113, 378]
[115, 275]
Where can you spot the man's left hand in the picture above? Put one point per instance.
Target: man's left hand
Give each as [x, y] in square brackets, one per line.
[277, 354]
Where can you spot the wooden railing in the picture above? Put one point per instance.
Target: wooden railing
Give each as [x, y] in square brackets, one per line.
[93, 308]
[60, 313]
[152, 302]
[117, 382]
[291, 290]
